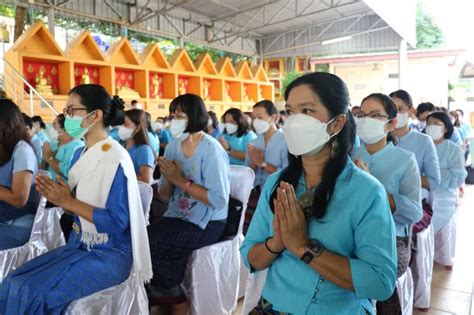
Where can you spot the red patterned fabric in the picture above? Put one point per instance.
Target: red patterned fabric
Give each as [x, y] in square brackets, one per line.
[31, 69]
[183, 84]
[152, 86]
[125, 78]
[94, 74]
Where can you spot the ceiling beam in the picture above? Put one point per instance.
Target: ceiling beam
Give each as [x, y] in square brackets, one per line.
[286, 20]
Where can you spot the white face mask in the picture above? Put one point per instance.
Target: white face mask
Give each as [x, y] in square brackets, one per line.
[209, 122]
[261, 126]
[53, 134]
[230, 128]
[125, 133]
[402, 120]
[177, 128]
[371, 130]
[305, 135]
[435, 132]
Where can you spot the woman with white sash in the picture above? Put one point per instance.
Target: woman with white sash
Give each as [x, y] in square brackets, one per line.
[109, 241]
[451, 161]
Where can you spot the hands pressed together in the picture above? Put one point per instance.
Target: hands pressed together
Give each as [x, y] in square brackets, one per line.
[289, 223]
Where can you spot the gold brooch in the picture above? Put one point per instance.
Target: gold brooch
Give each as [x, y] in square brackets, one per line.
[106, 147]
[76, 228]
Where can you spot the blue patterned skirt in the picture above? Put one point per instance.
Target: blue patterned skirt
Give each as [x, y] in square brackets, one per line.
[48, 283]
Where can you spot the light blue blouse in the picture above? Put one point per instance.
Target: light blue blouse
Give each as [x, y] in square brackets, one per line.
[357, 224]
[165, 136]
[239, 144]
[275, 153]
[208, 167]
[451, 163]
[456, 136]
[114, 134]
[154, 142]
[64, 156]
[465, 130]
[425, 153]
[37, 144]
[23, 159]
[141, 156]
[43, 136]
[397, 170]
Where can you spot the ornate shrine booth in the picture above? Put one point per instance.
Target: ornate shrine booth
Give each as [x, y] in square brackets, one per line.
[150, 78]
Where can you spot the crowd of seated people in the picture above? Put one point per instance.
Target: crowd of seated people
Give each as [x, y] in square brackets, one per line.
[328, 178]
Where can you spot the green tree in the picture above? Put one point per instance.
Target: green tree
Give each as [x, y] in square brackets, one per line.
[287, 79]
[428, 33]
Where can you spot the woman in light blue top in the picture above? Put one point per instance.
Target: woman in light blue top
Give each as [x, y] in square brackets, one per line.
[134, 133]
[416, 142]
[59, 157]
[237, 136]
[396, 169]
[213, 125]
[196, 181]
[267, 153]
[118, 120]
[315, 223]
[18, 168]
[451, 160]
[153, 139]
[35, 141]
[39, 128]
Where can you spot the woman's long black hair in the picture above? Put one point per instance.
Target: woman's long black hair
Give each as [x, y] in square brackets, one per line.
[334, 96]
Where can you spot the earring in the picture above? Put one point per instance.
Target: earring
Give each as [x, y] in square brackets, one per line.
[334, 148]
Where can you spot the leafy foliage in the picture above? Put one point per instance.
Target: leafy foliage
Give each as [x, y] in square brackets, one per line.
[287, 79]
[428, 34]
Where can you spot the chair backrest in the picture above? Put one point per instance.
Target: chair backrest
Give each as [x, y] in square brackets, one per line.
[241, 184]
[146, 195]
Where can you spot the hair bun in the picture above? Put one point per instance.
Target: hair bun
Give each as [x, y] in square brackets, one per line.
[118, 103]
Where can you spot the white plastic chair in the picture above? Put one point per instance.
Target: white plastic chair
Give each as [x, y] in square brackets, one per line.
[253, 290]
[211, 283]
[405, 292]
[146, 195]
[46, 234]
[422, 268]
[127, 298]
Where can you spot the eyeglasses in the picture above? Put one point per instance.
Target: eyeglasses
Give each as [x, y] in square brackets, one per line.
[378, 116]
[70, 110]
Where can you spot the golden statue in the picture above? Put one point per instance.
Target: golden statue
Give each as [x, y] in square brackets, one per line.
[156, 86]
[182, 87]
[126, 92]
[205, 93]
[42, 85]
[86, 79]
[227, 93]
[246, 94]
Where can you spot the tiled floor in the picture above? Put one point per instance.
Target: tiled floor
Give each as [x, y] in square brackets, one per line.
[452, 291]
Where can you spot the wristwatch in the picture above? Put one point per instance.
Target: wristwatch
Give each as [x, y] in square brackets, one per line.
[313, 250]
[264, 164]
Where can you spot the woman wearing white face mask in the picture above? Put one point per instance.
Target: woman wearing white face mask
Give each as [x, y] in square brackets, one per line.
[315, 222]
[451, 160]
[59, 153]
[213, 126]
[266, 154]
[397, 170]
[195, 180]
[134, 133]
[237, 136]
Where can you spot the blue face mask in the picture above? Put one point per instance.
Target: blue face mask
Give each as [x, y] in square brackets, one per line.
[72, 125]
